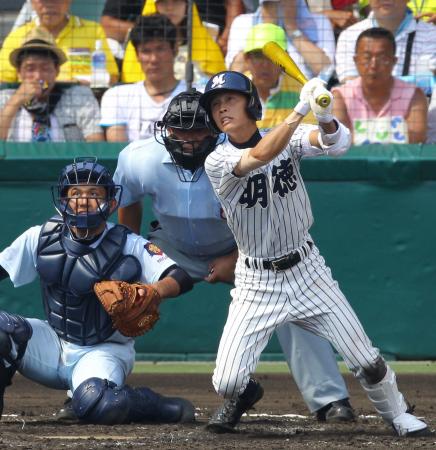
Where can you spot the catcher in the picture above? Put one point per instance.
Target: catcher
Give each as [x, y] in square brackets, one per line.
[86, 342]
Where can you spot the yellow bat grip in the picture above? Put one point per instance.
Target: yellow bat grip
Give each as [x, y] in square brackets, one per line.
[323, 100]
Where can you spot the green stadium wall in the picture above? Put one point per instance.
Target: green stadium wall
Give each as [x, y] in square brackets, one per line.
[375, 221]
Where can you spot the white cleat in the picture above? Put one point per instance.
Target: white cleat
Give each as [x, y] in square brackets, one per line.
[407, 425]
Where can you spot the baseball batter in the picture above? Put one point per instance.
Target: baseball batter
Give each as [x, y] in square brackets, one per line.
[76, 347]
[280, 275]
[192, 229]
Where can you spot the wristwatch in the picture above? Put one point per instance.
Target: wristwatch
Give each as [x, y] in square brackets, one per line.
[295, 34]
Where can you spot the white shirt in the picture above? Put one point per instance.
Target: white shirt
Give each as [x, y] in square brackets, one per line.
[424, 46]
[19, 259]
[242, 24]
[268, 210]
[189, 212]
[130, 105]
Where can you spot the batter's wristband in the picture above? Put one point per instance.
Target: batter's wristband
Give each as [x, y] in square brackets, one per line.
[332, 138]
[184, 280]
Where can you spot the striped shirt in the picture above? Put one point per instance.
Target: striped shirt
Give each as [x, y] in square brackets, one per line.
[268, 210]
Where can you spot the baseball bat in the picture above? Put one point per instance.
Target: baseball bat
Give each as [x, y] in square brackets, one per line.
[281, 58]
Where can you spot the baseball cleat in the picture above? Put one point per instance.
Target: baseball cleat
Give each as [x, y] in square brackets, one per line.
[337, 411]
[407, 425]
[228, 415]
[66, 413]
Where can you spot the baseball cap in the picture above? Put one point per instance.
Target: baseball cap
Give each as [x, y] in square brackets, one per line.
[262, 33]
[38, 39]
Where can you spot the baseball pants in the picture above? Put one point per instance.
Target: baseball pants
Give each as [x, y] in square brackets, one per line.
[59, 364]
[263, 300]
[309, 357]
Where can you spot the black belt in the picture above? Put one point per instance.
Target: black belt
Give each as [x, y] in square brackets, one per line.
[279, 264]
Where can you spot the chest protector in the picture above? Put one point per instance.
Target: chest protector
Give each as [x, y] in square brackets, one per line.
[68, 270]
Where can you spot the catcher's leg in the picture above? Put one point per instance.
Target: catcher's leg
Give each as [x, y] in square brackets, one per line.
[316, 373]
[103, 402]
[15, 331]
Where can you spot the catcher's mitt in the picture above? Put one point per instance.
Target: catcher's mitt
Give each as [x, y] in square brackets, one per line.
[131, 314]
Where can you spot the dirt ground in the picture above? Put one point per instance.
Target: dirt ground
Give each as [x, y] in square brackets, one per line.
[279, 421]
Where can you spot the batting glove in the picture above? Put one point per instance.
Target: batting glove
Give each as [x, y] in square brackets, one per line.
[309, 87]
[322, 114]
[303, 106]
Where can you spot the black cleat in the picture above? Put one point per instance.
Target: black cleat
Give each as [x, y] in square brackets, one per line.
[338, 411]
[66, 413]
[228, 415]
[425, 432]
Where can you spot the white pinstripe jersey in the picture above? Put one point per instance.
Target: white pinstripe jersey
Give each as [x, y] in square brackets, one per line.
[268, 210]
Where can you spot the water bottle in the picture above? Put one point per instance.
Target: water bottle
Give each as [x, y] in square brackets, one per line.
[99, 74]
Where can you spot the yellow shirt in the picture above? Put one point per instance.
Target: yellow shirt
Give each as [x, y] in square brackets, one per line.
[422, 6]
[77, 40]
[205, 51]
[417, 6]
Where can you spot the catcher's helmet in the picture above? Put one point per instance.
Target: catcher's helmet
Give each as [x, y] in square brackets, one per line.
[85, 171]
[231, 81]
[185, 113]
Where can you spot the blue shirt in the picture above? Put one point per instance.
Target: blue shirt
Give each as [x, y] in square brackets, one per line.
[189, 212]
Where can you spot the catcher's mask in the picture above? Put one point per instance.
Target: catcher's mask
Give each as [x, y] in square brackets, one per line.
[185, 113]
[85, 172]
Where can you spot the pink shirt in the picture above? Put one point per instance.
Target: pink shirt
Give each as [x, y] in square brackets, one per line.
[357, 107]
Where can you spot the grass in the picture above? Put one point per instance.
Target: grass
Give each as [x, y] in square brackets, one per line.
[421, 367]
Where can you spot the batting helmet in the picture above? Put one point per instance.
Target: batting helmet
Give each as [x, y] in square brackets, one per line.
[231, 81]
[85, 171]
[185, 113]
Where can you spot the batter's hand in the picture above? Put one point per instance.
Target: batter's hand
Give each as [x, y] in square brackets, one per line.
[222, 269]
[322, 114]
[303, 106]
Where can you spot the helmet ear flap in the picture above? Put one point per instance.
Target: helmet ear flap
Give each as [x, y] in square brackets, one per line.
[254, 106]
[212, 125]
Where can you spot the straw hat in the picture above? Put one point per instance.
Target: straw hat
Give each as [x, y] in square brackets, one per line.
[38, 39]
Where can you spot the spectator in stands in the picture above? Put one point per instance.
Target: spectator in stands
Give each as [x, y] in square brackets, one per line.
[311, 41]
[422, 9]
[341, 13]
[75, 36]
[40, 109]
[206, 54]
[376, 106]
[415, 41]
[278, 93]
[119, 16]
[431, 134]
[129, 111]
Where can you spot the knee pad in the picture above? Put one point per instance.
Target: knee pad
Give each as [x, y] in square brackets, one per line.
[16, 328]
[101, 401]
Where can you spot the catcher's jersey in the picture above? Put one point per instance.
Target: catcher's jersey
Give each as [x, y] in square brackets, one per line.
[189, 212]
[268, 210]
[19, 259]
